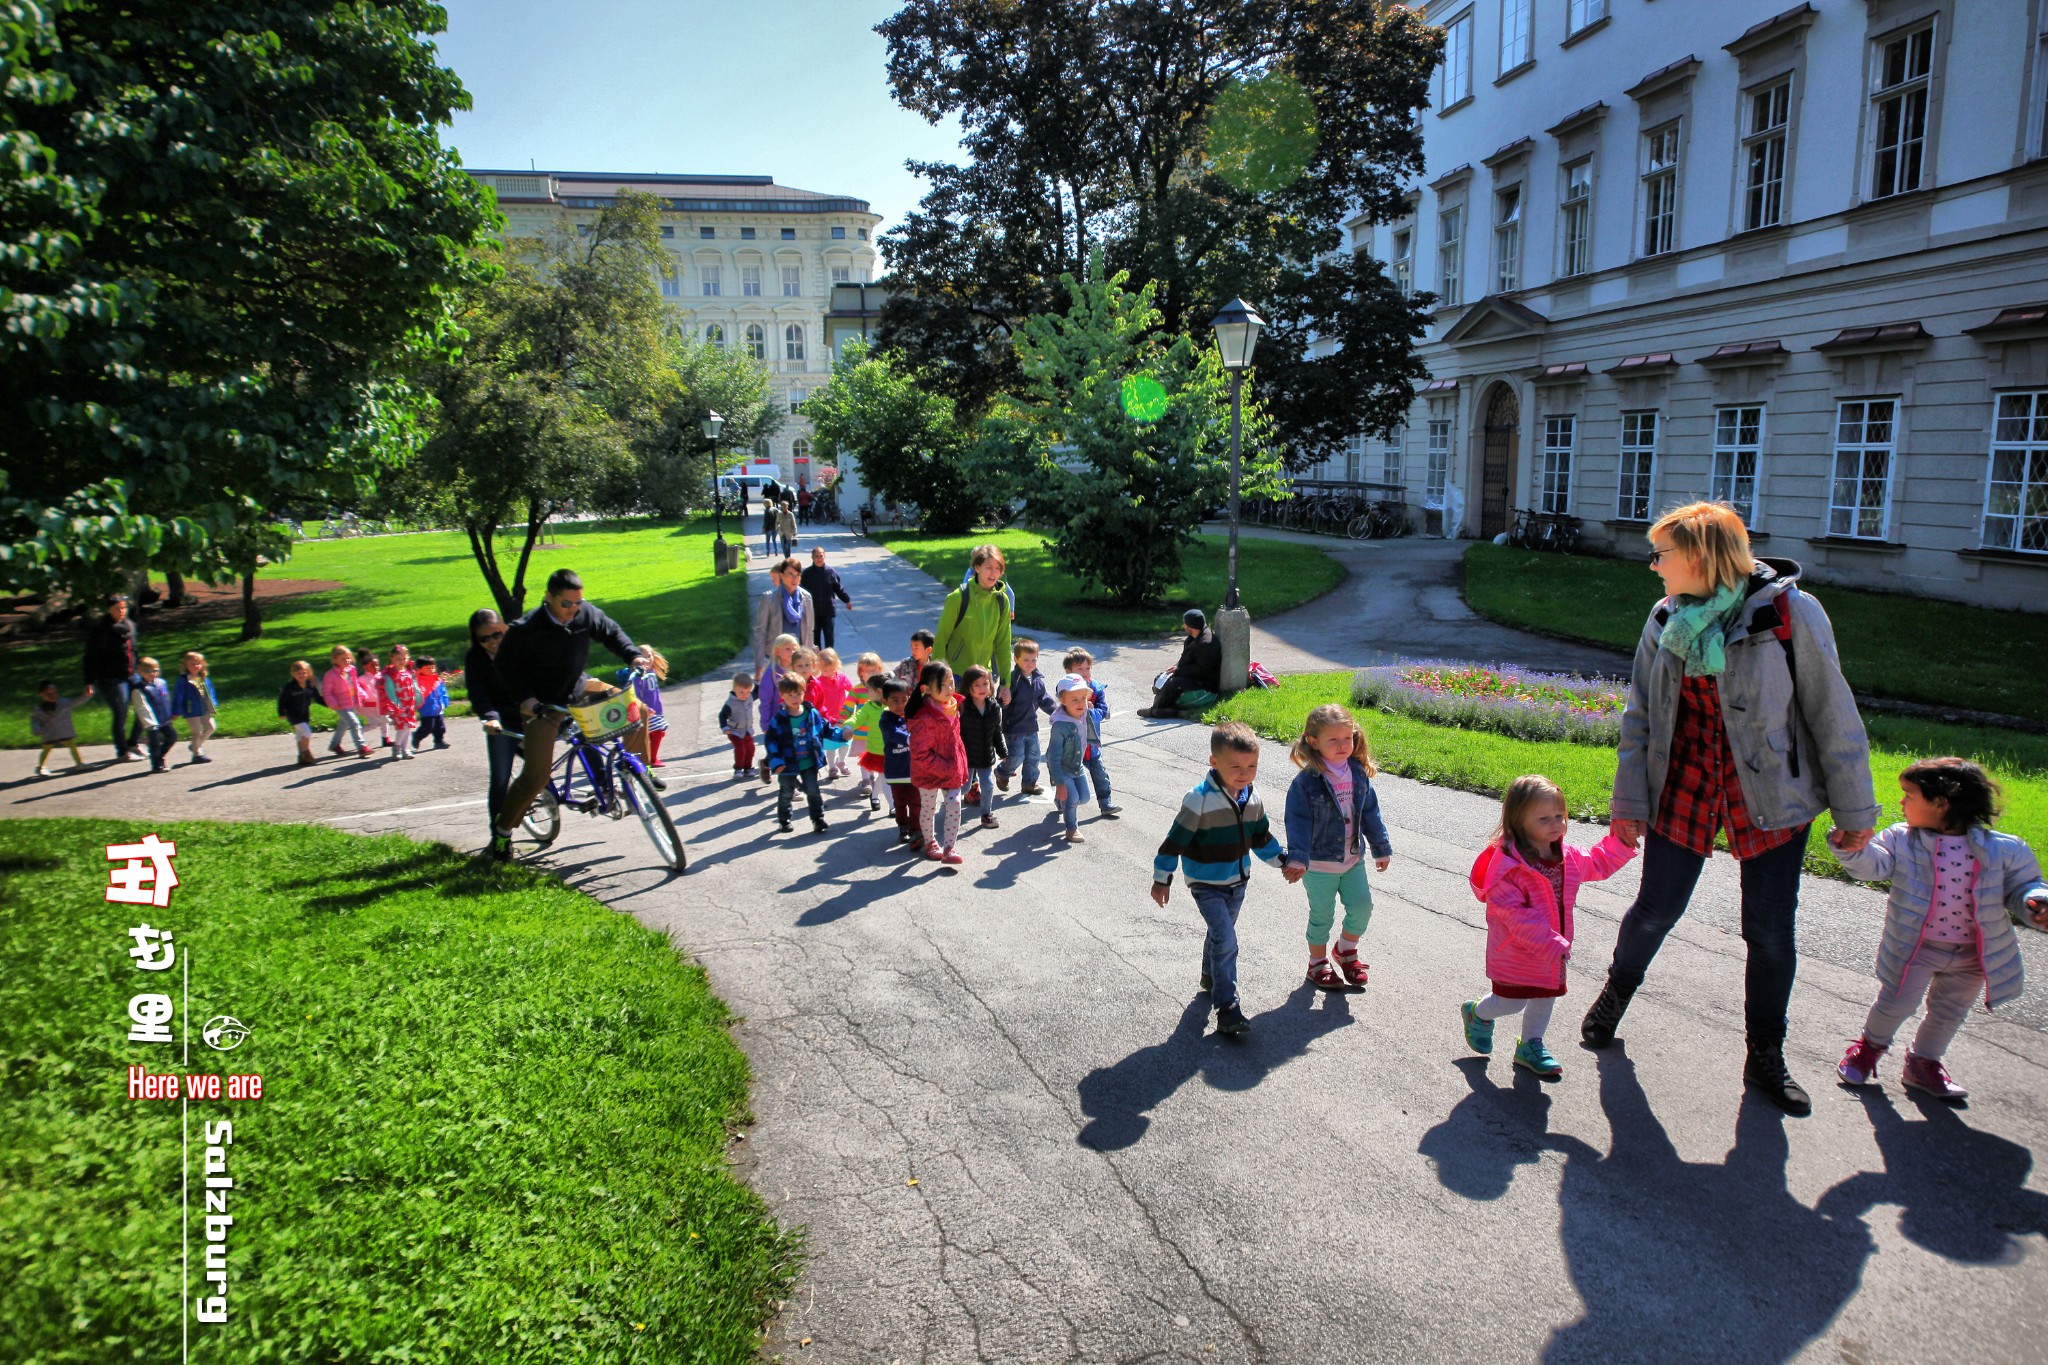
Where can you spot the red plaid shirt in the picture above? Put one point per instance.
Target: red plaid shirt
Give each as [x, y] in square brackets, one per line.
[1702, 794]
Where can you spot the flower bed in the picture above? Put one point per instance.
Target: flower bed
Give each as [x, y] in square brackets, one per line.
[1509, 701]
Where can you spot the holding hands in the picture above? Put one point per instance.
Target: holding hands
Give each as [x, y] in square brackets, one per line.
[1628, 833]
[2037, 910]
[1849, 840]
[1293, 872]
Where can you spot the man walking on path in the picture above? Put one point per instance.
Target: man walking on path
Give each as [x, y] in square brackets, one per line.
[822, 583]
[541, 662]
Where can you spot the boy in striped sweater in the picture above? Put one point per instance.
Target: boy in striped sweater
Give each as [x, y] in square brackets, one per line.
[1221, 827]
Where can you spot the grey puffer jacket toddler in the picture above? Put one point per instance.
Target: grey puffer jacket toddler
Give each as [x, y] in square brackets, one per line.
[2005, 873]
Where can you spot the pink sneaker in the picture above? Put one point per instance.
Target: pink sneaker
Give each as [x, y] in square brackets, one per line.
[1928, 1076]
[951, 858]
[1859, 1063]
[932, 851]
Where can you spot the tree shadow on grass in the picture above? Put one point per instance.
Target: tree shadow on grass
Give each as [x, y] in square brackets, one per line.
[435, 869]
[1118, 1099]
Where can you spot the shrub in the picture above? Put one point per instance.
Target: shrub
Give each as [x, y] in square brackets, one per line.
[1509, 701]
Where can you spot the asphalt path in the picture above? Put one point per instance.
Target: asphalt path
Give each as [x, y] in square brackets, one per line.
[991, 1097]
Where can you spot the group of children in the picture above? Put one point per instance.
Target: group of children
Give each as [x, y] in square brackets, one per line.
[406, 701]
[926, 742]
[1958, 887]
[155, 706]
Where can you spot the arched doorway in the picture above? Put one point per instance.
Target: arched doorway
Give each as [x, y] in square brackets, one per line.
[1497, 462]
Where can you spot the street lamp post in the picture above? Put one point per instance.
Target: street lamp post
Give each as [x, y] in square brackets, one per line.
[1237, 330]
[720, 554]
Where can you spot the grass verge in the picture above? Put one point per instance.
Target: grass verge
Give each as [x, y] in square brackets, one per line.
[654, 578]
[1484, 761]
[1887, 641]
[493, 1120]
[1272, 576]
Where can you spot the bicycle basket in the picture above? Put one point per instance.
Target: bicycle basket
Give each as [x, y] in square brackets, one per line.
[602, 719]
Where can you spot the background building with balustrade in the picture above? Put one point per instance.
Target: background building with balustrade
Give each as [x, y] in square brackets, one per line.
[1793, 258]
[748, 263]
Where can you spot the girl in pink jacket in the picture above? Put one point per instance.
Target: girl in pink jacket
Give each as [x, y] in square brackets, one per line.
[338, 690]
[370, 694]
[1529, 878]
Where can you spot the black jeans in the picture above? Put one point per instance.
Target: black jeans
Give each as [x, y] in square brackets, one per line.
[1770, 903]
[115, 693]
[812, 799]
[502, 749]
[824, 629]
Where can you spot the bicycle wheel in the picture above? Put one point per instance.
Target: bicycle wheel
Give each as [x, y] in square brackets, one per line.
[1360, 527]
[543, 818]
[639, 792]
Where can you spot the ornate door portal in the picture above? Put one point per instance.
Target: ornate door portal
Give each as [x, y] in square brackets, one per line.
[1496, 478]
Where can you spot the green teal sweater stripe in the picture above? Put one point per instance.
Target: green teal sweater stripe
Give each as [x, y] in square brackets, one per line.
[1213, 839]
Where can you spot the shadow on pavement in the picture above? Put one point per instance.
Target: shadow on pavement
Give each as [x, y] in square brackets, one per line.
[1960, 1193]
[1489, 1133]
[1118, 1098]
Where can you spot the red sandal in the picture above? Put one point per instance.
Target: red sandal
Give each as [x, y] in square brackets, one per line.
[1351, 967]
[1323, 976]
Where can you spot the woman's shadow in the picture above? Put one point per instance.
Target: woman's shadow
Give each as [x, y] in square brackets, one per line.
[1672, 1259]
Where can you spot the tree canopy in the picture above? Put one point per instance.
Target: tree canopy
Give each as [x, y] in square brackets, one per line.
[1210, 148]
[229, 236]
[904, 437]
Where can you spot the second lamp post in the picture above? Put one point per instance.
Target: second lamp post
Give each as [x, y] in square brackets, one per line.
[1237, 330]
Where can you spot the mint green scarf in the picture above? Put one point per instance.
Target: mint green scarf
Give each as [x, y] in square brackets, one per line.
[1698, 631]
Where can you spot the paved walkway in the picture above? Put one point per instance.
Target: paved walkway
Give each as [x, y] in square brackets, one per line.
[1096, 1179]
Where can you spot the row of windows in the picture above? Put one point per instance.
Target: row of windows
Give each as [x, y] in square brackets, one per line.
[748, 234]
[754, 339]
[711, 280]
[1517, 42]
[1901, 88]
[1863, 475]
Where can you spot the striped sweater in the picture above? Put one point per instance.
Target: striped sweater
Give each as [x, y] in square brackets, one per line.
[1214, 838]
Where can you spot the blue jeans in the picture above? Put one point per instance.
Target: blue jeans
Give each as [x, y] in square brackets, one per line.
[1024, 753]
[1770, 901]
[1077, 792]
[1219, 906]
[1101, 776]
[501, 749]
[986, 778]
[115, 693]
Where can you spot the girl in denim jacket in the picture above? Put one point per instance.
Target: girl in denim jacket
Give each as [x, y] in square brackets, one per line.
[1333, 815]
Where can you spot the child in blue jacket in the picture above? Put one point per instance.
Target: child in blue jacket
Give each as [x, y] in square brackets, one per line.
[193, 701]
[796, 736]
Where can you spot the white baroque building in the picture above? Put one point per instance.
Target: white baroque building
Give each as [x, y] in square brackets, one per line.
[1794, 258]
[748, 263]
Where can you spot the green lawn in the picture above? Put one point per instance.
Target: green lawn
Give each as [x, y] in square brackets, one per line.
[1483, 761]
[494, 1119]
[1910, 648]
[1272, 576]
[654, 578]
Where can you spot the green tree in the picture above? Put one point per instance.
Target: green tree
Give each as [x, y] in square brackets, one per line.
[228, 236]
[1119, 438]
[674, 462]
[1210, 147]
[904, 437]
[557, 391]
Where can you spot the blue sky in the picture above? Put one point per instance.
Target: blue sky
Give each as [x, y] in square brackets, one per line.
[795, 89]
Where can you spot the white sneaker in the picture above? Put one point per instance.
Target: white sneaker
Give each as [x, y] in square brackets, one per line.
[42, 771]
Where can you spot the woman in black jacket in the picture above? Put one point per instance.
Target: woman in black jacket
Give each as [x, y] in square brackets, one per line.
[981, 734]
[492, 702]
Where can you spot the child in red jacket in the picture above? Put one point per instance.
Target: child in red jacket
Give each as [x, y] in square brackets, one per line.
[1529, 878]
[938, 762]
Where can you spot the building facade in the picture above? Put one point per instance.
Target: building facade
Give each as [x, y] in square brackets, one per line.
[1795, 259]
[748, 263]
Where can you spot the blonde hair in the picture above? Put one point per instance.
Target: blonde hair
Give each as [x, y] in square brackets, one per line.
[660, 669]
[866, 666]
[348, 655]
[1525, 792]
[1329, 716]
[146, 662]
[831, 656]
[1713, 534]
[192, 654]
[781, 642]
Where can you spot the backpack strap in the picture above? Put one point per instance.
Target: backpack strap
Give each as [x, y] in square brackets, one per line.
[1781, 626]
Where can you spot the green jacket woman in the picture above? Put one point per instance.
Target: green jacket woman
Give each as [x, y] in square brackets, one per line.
[974, 622]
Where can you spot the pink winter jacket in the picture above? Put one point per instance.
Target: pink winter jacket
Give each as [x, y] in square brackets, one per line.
[369, 695]
[338, 688]
[1527, 931]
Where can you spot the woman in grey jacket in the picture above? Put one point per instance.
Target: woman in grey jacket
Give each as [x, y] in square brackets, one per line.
[785, 609]
[1739, 722]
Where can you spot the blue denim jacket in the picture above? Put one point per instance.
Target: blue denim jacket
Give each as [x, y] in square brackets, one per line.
[1315, 823]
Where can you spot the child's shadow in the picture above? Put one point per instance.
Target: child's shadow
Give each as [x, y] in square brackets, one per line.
[1118, 1098]
[1489, 1133]
[1961, 1193]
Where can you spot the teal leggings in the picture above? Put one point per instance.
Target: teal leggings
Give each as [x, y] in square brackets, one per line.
[1325, 889]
